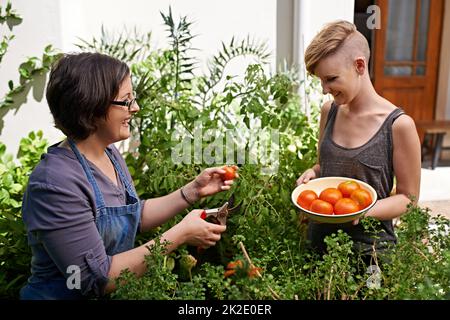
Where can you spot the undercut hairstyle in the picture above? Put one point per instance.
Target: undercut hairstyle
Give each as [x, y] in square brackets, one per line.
[80, 89]
[334, 37]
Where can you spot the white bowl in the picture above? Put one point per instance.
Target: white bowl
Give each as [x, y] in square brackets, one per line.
[318, 185]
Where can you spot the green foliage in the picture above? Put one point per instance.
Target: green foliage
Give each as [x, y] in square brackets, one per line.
[128, 46]
[14, 250]
[11, 18]
[28, 71]
[417, 268]
[157, 283]
[218, 63]
[182, 64]
[4, 45]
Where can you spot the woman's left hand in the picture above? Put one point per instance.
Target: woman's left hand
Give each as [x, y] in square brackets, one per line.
[210, 181]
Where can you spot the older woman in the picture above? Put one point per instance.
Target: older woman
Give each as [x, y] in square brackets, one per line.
[80, 208]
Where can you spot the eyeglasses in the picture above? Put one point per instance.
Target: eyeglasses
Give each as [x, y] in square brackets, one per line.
[126, 103]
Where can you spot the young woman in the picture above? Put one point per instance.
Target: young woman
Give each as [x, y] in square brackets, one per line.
[362, 135]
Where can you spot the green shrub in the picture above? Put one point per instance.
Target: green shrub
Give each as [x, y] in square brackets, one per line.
[418, 268]
[15, 254]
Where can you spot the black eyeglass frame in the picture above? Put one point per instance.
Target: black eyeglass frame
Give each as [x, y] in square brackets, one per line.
[125, 103]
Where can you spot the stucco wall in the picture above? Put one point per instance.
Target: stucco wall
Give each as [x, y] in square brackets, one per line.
[60, 22]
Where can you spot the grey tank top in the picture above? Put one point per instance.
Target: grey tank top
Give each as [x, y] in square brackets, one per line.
[371, 163]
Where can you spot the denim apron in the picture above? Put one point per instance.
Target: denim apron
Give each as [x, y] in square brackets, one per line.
[117, 227]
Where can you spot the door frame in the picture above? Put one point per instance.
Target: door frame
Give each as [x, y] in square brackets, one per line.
[432, 55]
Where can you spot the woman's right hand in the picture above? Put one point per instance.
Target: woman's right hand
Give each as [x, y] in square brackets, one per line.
[306, 176]
[198, 232]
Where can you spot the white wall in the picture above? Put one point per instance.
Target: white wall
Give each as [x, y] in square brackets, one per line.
[214, 20]
[40, 25]
[60, 22]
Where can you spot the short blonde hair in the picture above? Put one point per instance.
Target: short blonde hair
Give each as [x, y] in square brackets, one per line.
[331, 39]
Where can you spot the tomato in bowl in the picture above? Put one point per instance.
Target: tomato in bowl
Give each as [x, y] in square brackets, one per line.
[320, 184]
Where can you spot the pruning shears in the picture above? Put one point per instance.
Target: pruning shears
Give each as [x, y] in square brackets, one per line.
[220, 215]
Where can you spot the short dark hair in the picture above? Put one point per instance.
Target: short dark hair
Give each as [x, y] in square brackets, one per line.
[80, 89]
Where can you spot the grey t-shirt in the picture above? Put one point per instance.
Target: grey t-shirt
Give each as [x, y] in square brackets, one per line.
[58, 211]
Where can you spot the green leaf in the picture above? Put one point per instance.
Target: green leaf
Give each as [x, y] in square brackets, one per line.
[247, 121]
[16, 188]
[7, 180]
[275, 123]
[283, 99]
[15, 204]
[4, 195]
[3, 169]
[229, 98]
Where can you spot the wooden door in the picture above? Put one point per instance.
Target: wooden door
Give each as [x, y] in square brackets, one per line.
[406, 57]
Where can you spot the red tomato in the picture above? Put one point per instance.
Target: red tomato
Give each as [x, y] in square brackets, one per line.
[230, 173]
[347, 187]
[320, 206]
[331, 195]
[305, 198]
[253, 272]
[345, 205]
[235, 264]
[229, 273]
[362, 198]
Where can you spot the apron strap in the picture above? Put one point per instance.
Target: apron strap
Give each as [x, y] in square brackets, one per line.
[122, 176]
[100, 202]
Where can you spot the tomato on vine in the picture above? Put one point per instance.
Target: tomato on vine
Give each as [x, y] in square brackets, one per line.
[230, 172]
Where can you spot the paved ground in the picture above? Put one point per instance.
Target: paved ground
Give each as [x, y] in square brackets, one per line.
[435, 190]
[437, 207]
